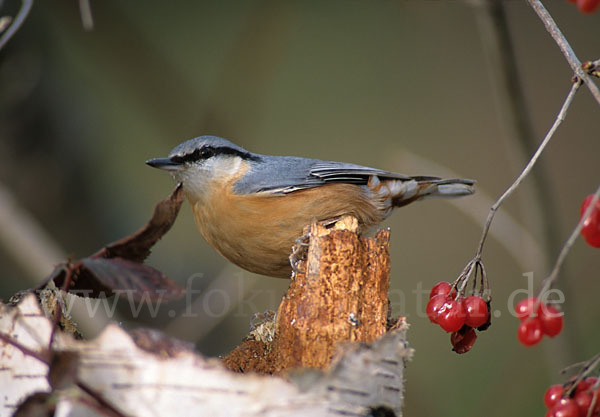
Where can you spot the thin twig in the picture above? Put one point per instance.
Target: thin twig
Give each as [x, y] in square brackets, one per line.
[515, 120]
[42, 356]
[517, 240]
[559, 119]
[593, 403]
[547, 283]
[103, 402]
[87, 20]
[564, 47]
[17, 22]
[587, 367]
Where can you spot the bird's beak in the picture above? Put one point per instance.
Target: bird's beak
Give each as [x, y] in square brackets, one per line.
[163, 163]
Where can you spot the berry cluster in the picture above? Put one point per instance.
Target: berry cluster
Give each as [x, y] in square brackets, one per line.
[458, 315]
[591, 226]
[577, 404]
[586, 6]
[547, 321]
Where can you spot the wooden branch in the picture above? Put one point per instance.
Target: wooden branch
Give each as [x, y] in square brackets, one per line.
[564, 47]
[338, 296]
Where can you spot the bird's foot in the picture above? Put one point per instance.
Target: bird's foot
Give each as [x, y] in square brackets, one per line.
[299, 251]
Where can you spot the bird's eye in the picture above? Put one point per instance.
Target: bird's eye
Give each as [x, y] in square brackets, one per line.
[200, 153]
[196, 155]
[206, 153]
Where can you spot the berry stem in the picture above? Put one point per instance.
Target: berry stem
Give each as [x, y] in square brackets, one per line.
[587, 368]
[557, 122]
[475, 268]
[548, 281]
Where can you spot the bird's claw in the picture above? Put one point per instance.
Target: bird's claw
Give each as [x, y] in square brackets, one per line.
[299, 251]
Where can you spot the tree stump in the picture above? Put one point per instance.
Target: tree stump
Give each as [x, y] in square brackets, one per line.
[338, 294]
[337, 298]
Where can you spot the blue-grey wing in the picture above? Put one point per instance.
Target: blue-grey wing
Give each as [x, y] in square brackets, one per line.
[329, 171]
[277, 175]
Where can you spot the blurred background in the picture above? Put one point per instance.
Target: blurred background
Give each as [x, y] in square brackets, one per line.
[407, 86]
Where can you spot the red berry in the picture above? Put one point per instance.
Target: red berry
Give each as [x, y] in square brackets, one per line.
[591, 227]
[585, 385]
[441, 288]
[590, 381]
[565, 407]
[552, 395]
[525, 307]
[451, 315]
[551, 319]
[582, 386]
[433, 307]
[584, 401]
[593, 240]
[530, 331]
[476, 310]
[463, 340]
[587, 6]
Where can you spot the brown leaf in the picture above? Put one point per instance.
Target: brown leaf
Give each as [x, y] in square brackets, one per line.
[120, 275]
[100, 277]
[118, 266]
[136, 247]
[82, 283]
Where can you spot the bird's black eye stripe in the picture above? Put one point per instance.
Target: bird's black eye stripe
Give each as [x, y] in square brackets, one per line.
[206, 152]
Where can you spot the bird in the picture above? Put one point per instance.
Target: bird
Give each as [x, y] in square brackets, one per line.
[252, 208]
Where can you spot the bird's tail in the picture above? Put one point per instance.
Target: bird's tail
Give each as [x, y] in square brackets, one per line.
[419, 188]
[435, 187]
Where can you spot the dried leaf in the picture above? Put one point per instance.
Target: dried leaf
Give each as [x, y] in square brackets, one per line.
[118, 266]
[136, 247]
[82, 283]
[120, 275]
[100, 277]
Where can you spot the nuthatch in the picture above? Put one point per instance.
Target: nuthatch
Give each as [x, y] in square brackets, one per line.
[252, 208]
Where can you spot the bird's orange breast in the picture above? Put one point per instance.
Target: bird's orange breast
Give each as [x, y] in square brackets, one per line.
[257, 231]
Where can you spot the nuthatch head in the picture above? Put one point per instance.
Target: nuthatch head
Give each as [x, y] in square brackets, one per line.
[251, 208]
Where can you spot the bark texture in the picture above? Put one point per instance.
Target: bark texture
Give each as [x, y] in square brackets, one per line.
[338, 294]
[336, 351]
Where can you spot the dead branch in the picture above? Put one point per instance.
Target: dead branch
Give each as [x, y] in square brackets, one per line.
[338, 296]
